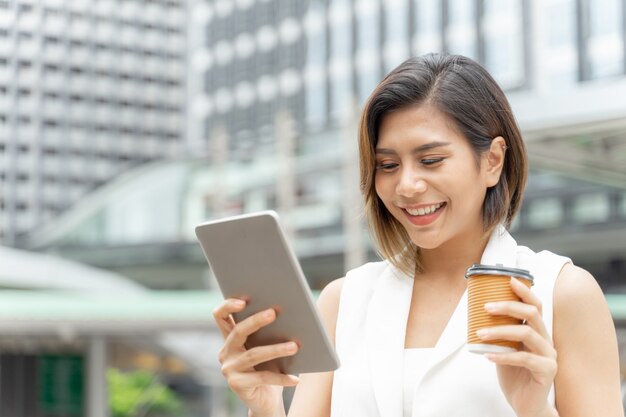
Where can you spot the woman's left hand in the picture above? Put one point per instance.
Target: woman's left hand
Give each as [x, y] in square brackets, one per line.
[525, 376]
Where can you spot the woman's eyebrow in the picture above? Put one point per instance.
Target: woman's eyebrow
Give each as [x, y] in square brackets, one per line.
[422, 148]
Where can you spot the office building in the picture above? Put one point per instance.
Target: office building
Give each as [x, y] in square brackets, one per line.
[87, 90]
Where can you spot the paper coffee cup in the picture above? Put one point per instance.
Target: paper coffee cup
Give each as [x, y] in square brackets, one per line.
[486, 284]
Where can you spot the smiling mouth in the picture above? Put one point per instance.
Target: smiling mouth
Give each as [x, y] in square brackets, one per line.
[425, 211]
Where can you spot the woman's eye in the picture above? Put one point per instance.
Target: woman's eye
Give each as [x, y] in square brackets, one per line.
[431, 161]
[386, 166]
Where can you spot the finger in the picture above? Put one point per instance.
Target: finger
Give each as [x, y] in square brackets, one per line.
[247, 380]
[532, 340]
[522, 311]
[222, 314]
[239, 334]
[525, 294]
[252, 357]
[543, 369]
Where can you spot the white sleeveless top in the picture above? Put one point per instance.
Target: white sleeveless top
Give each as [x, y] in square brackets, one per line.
[415, 359]
[369, 340]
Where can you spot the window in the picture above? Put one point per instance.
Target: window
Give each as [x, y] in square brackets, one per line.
[560, 54]
[591, 208]
[461, 28]
[368, 47]
[396, 47]
[315, 73]
[428, 26]
[545, 213]
[341, 58]
[503, 27]
[605, 44]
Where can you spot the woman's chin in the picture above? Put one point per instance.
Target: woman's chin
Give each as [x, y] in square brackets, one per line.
[426, 244]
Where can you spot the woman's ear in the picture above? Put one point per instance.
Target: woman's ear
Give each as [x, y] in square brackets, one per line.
[493, 161]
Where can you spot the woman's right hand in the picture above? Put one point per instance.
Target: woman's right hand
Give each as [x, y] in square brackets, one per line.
[261, 391]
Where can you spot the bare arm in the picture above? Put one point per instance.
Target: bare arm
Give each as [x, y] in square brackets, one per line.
[313, 393]
[587, 382]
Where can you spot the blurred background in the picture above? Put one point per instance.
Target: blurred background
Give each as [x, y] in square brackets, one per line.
[124, 123]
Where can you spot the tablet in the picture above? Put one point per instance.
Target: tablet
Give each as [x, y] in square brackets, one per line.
[252, 260]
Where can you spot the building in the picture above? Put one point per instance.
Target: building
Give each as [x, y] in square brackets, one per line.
[87, 90]
[318, 57]
[561, 62]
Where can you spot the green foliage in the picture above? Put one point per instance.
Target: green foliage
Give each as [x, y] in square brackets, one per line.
[133, 394]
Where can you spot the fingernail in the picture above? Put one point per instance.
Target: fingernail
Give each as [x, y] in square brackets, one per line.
[491, 306]
[294, 379]
[240, 303]
[291, 346]
[482, 332]
[268, 313]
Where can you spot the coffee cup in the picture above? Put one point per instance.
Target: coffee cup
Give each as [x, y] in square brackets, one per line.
[486, 284]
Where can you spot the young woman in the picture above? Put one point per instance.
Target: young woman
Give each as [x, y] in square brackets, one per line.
[443, 169]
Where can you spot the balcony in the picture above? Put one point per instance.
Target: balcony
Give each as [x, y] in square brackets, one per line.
[6, 47]
[26, 163]
[7, 17]
[6, 75]
[28, 49]
[53, 137]
[55, 25]
[5, 131]
[104, 115]
[54, 109]
[29, 23]
[129, 11]
[105, 32]
[27, 134]
[54, 54]
[79, 6]
[80, 57]
[27, 77]
[80, 84]
[6, 104]
[28, 105]
[52, 166]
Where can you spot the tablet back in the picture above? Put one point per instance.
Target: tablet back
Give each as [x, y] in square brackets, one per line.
[252, 260]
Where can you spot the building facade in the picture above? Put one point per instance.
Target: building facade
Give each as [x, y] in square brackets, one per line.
[87, 89]
[561, 62]
[321, 58]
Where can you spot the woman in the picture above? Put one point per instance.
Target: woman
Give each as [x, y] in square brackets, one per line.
[443, 169]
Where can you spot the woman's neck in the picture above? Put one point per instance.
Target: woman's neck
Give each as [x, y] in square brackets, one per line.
[451, 260]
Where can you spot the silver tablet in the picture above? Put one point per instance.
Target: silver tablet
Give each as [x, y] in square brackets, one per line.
[252, 260]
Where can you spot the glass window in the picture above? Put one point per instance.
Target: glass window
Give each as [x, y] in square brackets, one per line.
[560, 56]
[368, 48]
[341, 54]
[591, 208]
[504, 41]
[315, 73]
[606, 43]
[396, 32]
[428, 26]
[461, 30]
[545, 213]
[622, 209]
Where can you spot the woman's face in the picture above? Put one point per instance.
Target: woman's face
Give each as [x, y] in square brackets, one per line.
[428, 178]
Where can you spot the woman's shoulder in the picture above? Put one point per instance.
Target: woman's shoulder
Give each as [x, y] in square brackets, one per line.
[331, 293]
[328, 306]
[357, 281]
[580, 309]
[576, 288]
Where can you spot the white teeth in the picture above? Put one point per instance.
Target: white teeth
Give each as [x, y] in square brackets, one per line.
[423, 210]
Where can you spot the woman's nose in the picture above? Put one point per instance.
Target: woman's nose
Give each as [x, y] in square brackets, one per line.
[410, 184]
